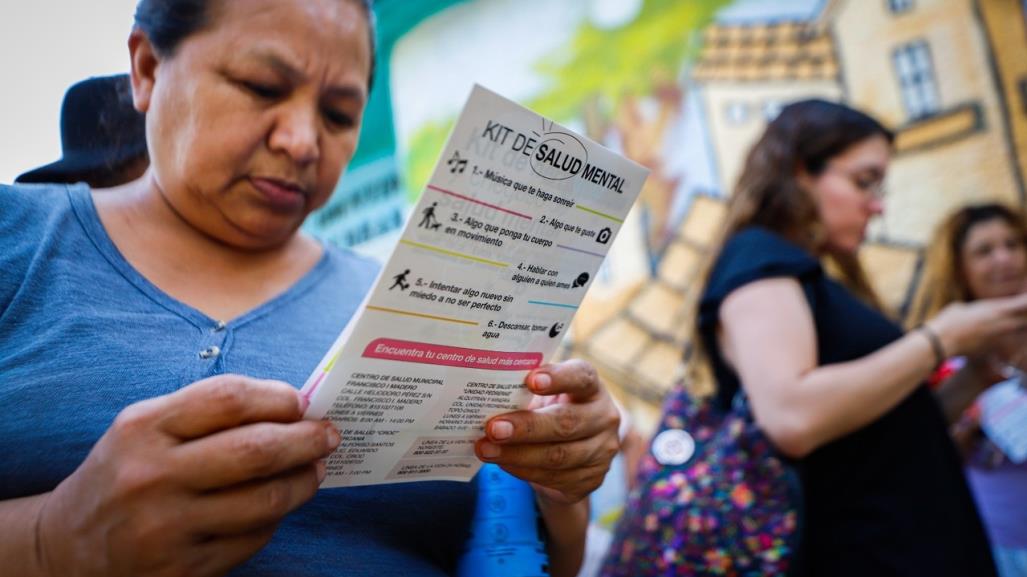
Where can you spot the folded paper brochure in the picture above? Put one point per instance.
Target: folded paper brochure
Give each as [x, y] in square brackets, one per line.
[491, 267]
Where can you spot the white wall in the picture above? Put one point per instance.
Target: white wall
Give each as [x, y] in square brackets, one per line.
[45, 47]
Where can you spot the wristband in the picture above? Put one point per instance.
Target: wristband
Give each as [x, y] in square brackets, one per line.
[939, 350]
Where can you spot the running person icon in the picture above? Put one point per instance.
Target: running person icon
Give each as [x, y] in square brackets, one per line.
[401, 281]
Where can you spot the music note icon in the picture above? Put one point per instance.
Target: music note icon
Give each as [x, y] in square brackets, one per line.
[456, 164]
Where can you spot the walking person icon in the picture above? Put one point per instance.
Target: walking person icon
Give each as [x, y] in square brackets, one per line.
[401, 281]
[428, 220]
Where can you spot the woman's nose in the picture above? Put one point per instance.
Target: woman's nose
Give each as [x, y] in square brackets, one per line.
[296, 134]
[1003, 255]
[876, 206]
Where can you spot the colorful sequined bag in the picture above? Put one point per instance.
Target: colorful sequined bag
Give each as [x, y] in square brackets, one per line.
[713, 497]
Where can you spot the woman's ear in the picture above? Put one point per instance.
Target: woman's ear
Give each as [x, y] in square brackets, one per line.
[803, 178]
[144, 69]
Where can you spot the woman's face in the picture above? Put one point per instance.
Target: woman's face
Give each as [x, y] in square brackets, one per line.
[994, 260]
[252, 119]
[848, 192]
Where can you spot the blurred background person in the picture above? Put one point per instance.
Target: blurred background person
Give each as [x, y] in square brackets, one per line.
[980, 252]
[103, 136]
[832, 382]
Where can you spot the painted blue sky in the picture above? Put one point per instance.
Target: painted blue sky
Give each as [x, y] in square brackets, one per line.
[744, 11]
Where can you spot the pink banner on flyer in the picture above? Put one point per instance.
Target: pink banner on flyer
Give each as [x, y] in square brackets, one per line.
[429, 354]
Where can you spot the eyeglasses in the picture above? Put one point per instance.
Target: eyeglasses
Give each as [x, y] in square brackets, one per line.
[869, 184]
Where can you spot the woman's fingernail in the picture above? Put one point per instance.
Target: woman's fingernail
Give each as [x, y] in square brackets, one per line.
[322, 471]
[490, 451]
[332, 436]
[501, 430]
[541, 382]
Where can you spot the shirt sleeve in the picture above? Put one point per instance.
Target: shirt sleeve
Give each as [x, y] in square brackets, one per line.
[752, 255]
[25, 211]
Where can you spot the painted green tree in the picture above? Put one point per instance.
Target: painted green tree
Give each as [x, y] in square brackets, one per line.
[600, 69]
[423, 153]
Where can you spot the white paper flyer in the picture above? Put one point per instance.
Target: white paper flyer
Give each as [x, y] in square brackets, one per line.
[491, 267]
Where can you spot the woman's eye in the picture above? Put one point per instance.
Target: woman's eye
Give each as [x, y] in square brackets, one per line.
[866, 183]
[339, 119]
[265, 91]
[983, 250]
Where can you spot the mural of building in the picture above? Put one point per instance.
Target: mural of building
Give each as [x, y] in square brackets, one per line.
[746, 71]
[1006, 24]
[950, 76]
[927, 68]
[954, 93]
[639, 348]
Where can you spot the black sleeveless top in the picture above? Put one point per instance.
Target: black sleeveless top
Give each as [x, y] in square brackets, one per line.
[887, 499]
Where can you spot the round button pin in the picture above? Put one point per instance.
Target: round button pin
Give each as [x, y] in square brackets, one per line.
[673, 447]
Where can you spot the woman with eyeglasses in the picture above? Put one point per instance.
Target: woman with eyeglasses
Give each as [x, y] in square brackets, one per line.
[787, 316]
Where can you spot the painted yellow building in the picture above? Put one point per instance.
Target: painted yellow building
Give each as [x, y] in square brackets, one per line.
[926, 68]
[745, 72]
[1005, 22]
[950, 76]
[639, 348]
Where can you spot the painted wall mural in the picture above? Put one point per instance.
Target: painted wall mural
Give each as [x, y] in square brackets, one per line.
[684, 87]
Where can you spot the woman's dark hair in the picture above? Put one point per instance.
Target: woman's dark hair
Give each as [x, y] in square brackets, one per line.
[168, 22]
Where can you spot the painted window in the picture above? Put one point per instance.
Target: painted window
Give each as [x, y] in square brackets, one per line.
[899, 6]
[736, 112]
[916, 79]
[771, 109]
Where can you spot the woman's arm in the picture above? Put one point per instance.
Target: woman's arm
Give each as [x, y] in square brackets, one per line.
[958, 392]
[563, 446]
[566, 527]
[767, 334]
[19, 527]
[191, 483]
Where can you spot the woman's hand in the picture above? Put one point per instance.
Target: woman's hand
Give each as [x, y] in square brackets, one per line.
[191, 483]
[563, 444]
[975, 327]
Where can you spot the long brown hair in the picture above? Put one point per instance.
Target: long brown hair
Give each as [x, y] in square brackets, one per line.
[806, 135]
[943, 279]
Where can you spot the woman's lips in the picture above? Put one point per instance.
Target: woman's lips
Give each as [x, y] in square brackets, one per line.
[280, 195]
[1010, 281]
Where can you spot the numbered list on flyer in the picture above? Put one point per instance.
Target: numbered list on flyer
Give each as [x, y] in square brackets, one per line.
[491, 267]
